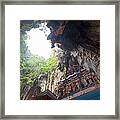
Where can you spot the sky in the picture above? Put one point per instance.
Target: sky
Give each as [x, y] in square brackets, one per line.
[38, 43]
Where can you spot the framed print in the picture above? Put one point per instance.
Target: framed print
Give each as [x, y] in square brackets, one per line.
[59, 59]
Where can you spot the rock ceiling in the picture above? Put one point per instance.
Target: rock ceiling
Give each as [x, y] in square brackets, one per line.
[70, 34]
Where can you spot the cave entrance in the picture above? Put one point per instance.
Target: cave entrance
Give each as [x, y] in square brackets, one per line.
[37, 41]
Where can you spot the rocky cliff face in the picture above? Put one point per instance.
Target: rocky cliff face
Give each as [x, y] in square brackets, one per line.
[76, 44]
[81, 62]
[74, 33]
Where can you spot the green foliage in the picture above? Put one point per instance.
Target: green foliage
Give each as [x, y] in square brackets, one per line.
[24, 52]
[50, 64]
[33, 66]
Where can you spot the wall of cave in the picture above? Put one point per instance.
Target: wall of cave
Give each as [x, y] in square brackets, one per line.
[77, 46]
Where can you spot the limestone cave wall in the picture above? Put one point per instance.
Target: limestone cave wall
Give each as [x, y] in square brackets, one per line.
[77, 47]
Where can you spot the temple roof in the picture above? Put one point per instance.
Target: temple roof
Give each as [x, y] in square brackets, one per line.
[47, 95]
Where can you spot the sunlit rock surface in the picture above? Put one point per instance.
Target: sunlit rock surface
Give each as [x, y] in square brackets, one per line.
[74, 62]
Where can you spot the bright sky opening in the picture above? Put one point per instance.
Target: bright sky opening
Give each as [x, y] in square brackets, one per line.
[38, 43]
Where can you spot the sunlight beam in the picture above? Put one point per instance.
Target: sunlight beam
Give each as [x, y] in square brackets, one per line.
[38, 43]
